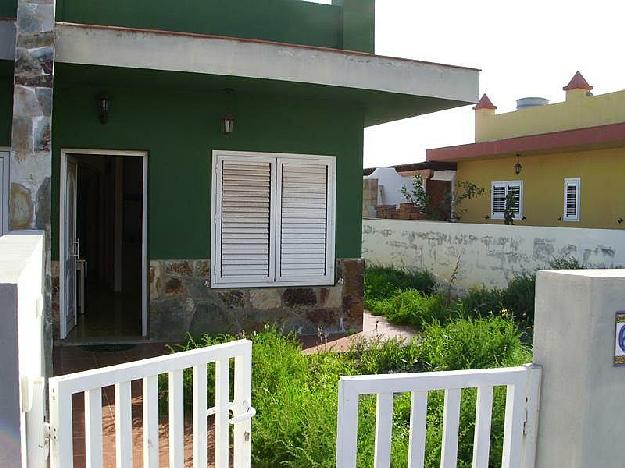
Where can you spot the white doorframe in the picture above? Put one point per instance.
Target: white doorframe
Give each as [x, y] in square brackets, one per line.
[4, 188]
[144, 229]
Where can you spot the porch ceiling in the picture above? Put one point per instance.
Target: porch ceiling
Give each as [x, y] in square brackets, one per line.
[387, 88]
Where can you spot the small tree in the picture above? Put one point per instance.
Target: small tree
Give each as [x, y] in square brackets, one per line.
[465, 190]
[417, 195]
[509, 211]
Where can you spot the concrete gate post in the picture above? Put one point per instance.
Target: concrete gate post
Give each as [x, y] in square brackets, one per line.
[582, 410]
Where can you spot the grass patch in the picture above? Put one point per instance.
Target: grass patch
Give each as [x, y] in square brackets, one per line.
[412, 307]
[296, 395]
[382, 282]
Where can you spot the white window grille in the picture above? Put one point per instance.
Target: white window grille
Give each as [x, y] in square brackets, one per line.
[571, 199]
[499, 193]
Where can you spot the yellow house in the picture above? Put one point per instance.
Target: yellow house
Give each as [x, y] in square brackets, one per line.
[562, 163]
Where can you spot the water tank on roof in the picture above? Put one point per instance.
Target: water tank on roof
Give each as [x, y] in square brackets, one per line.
[526, 102]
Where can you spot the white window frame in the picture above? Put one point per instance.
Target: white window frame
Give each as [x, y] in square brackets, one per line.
[275, 221]
[577, 182]
[507, 183]
[5, 156]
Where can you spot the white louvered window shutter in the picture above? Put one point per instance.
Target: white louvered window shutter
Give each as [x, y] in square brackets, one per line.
[243, 212]
[498, 200]
[571, 199]
[305, 234]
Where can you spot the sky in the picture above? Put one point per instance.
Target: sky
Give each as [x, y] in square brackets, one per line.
[524, 48]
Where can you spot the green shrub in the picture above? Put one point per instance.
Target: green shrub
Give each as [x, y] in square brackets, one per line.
[472, 344]
[382, 282]
[481, 302]
[519, 296]
[565, 262]
[411, 307]
[381, 356]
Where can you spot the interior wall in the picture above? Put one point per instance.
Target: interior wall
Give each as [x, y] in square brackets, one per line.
[6, 103]
[97, 218]
[8, 8]
[180, 129]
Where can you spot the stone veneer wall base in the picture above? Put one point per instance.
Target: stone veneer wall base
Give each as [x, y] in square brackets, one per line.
[181, 302]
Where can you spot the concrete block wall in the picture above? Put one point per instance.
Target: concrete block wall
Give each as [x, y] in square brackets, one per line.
[485, 255]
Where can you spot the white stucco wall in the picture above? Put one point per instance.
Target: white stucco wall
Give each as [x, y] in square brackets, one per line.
[488, 255]
[21, 343]
[582, 405]
[390, 184]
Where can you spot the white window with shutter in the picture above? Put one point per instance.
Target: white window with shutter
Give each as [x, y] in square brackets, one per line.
[499, 193]
[571, 199]
[272, 219]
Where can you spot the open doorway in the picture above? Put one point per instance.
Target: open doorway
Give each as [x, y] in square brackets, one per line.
[103, 257]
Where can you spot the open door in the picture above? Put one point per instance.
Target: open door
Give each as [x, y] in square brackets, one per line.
[70, 249]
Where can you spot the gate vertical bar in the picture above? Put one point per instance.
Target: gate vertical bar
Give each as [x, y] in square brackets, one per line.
[222, 424]
[200, 432]
[93, 428]
[176, 418]
[150, 422]
[418, 429]
[347, 426]
[532, 407]
[513, 425]
[383, 430]
[483, 416]
[123, 426]
[451, 422]
[243, 400]
[61, 447]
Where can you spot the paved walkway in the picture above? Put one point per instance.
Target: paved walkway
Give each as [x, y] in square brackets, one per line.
[372, 327]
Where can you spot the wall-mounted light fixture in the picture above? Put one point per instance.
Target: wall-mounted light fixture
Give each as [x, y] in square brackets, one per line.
[517, 166]
[228, 119]
[228, 124]
[104, 107]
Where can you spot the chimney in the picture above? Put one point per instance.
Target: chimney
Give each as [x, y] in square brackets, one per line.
[577, 88]
[484, 112]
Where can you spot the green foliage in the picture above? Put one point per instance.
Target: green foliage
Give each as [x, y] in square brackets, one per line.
[471, 344]
[383, 282]
[380, 356]
[518, 298]
[295, 395]
[417, 194]
[509, 211]
[481, 302]
[411, 307]
[565, 262]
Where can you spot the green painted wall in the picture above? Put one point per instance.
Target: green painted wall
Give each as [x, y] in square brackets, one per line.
[293, 21]
[179, 129]
[357, 24]
[8, 8]
[6, 102]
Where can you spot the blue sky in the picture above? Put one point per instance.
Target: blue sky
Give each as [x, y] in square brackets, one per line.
[529, 48]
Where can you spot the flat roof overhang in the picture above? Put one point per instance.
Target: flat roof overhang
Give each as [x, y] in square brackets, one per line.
[388, 88]
[603, 136]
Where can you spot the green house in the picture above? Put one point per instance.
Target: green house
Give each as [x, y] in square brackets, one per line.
[197, 165]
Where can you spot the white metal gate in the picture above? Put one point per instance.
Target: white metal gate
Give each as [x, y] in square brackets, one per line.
[520, 426]
[91, 383]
